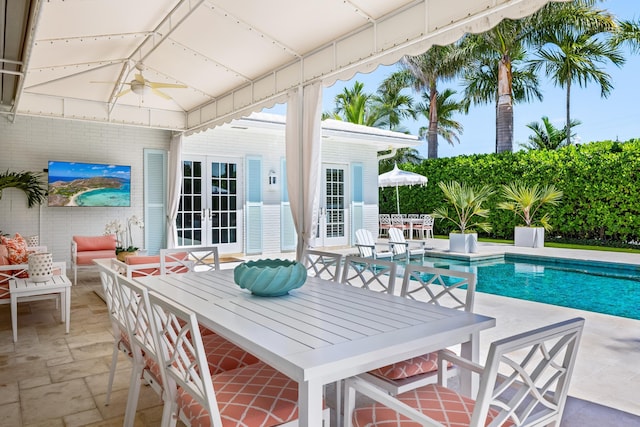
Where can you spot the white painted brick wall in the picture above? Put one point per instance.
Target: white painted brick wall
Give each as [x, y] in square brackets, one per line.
[30, 142]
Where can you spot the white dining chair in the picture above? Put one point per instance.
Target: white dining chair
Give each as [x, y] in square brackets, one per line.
[118, 328]
[524, 382]
[253, 395]
[369, 273]
[384, 224]
[439, 286]
[325, 265]
[425, 228]
[189, 258]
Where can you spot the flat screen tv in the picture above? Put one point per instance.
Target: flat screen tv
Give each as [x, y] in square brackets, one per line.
[89, 184]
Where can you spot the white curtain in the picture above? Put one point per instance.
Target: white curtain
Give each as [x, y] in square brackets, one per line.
[174, 185]
[303, 152]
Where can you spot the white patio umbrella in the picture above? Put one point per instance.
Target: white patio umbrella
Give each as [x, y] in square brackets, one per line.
[398, 177]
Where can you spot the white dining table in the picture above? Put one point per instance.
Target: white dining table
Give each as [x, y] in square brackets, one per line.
[323, 331]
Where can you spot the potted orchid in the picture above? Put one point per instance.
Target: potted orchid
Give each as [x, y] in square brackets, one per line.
[124, 237]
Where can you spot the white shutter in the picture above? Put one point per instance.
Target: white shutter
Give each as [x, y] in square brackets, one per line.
[253, 237]
[155, 200]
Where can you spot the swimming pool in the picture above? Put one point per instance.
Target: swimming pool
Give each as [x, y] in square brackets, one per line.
[594, 286]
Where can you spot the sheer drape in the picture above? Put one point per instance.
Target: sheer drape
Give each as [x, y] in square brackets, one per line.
[174, 181]
[304, 160]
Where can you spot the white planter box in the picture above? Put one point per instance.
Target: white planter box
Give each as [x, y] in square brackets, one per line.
[463, 242]
[529, 237]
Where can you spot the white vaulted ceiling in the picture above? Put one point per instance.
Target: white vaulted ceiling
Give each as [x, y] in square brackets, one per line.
[233, 56]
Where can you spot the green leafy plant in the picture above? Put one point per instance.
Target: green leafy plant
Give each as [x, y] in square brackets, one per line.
[466, 201]
[525, 201]
[28, 182]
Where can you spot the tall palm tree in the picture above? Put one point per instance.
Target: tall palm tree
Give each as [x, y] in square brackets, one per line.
[482, 85]
[438, 64]
[576, 48]
[546, 136]
[496, 52]
[448, 128]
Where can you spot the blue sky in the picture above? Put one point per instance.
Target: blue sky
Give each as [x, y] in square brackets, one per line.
[602, 118]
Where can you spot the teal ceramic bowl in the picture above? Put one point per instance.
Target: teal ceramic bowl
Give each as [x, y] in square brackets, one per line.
[270, 277]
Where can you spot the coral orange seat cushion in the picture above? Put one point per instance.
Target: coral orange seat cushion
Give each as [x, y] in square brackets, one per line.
[255, 395]
[144, 259]
[86, 258]
[16, 253]
[410, 367]
[437, 402]
[95, 243]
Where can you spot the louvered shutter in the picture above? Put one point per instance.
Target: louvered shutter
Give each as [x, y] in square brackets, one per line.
[155, 200]
[253, 237]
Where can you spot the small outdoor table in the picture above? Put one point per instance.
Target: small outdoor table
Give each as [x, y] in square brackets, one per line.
[23, 288]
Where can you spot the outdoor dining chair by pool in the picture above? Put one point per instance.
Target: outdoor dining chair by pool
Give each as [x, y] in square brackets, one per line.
[220, 354]
[325, 265]
[190, 258]
[368, 273]
[253, 395]
[401, 248]
[439, 286]
[524, 382]
[425, 228]
[384, 224]
[367, 247]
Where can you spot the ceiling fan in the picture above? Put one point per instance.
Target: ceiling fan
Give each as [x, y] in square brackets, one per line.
[141, 86]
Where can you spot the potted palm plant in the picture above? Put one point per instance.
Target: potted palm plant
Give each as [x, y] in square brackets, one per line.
[466, 201]
[525, 202]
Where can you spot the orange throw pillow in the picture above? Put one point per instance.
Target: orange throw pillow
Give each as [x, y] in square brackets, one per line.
[17, 248]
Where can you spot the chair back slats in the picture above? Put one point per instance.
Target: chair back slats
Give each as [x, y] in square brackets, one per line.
[527, 375]
[182, 260]
[182, 354]
[439, 286]
[369, 273]
[326, 265]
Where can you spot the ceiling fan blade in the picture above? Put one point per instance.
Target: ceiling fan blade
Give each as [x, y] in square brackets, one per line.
[155, 85]
[124, 92]
[160, 94]
[139, 78]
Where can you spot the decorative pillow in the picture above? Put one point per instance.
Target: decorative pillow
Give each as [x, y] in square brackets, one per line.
[17, 248]
[17, 251]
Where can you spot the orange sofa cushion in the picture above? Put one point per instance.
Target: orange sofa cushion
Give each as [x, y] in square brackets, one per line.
[95, 243]
[86, 258]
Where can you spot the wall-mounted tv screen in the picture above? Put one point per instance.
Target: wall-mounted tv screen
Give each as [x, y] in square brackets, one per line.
[89, 184]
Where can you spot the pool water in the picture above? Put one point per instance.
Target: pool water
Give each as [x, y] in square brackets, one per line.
[603, 288]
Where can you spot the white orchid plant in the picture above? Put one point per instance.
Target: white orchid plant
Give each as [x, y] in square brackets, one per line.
[124, 237]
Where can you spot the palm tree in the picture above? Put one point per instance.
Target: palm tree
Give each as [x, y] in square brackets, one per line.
[448, 128]
[546, 136]
[354, 106]
[498, 74]
[389, 101]
[438, 64]
[576, 48]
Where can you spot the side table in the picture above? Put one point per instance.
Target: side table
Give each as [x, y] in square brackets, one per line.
[23, 288]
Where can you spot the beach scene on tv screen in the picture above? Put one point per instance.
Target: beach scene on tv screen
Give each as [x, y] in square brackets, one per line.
[89, 184]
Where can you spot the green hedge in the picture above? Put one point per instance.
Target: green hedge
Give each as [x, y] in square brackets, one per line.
[600, 182]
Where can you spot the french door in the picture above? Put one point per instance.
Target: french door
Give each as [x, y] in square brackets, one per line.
[210, 211]
[332, 224]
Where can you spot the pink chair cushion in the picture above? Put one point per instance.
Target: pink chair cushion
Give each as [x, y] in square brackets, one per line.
[410, 367]
[222, 356]
[437, 402]
[256, 395]
[4, 255]
[86, 258]
[144, 259]
[95, 243]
